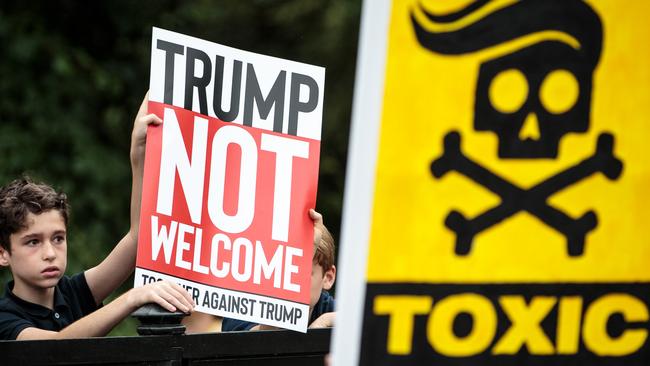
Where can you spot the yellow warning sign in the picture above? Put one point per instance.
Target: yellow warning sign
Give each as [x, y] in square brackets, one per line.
[509, 214]
[513, 145]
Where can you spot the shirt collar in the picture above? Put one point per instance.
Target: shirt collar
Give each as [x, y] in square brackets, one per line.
[35, 309]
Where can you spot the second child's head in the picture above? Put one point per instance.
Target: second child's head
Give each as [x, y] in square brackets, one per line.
[323, 272]
[33, 221]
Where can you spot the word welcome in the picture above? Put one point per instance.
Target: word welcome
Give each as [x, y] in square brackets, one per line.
[247, 260]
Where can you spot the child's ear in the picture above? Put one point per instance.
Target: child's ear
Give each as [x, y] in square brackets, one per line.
[4, 257]
[329, 277]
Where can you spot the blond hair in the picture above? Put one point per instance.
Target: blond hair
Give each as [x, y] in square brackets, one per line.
[324, 250]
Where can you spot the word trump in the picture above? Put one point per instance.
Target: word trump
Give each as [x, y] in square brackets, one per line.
[574, 320]
[225, 86]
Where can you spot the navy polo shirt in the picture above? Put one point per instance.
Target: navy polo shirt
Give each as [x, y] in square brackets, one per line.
[324, 305]
[72, 300]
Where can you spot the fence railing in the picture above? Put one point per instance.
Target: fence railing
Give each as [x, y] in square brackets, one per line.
[270, 348]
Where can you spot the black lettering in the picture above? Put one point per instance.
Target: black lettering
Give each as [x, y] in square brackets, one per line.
[171, 49]
[222, 304]
[262, 307]
[243, 306]
[195, 295]
[275, 98]
[233, 111]
[298, 315]
[214, 300]
[149, 279]
[288, 315]
[192, 81]
[269, 310]
[234, 304]
[252, 302]
[295, 105]
[206, 300]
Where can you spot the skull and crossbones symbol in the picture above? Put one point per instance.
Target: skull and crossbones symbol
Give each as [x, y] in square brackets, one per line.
[533, 200]
[555, 83]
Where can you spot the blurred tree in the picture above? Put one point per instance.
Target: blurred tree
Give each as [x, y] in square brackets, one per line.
[72, 76]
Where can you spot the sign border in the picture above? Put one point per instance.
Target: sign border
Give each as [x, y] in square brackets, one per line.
[360, 177]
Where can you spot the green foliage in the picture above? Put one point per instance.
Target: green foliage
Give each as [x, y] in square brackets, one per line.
[73, 73]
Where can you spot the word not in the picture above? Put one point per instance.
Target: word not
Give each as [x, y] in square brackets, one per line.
[192, 173]
[572, 324]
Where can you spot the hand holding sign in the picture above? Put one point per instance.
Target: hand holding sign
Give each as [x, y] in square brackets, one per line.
[167, 294]
[318, 225]
[139, 134]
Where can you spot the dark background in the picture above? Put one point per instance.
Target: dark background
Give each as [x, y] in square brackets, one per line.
[72, 75]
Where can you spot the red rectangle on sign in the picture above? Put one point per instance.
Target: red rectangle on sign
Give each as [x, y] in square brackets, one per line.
[226, 205]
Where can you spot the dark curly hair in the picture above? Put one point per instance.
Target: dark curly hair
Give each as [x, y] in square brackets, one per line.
[22, 196]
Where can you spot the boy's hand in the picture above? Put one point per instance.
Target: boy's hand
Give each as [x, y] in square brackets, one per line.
[139, 134]
[324, 321]
[169, 295]
[318, 225]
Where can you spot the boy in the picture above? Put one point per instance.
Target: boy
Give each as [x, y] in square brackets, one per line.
[42, 303]
[323, 275]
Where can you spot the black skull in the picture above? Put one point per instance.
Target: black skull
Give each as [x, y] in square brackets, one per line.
[539, 65]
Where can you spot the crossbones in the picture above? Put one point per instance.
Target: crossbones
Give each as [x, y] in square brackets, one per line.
[532, 200]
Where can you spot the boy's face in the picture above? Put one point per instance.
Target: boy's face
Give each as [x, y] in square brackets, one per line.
[320, 280]
[38, 255]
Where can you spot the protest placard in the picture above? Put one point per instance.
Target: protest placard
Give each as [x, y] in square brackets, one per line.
[495, 207]
[229, 178]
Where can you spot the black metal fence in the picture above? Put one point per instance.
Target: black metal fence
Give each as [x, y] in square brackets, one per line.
[272, 348]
